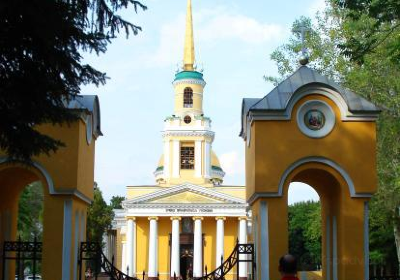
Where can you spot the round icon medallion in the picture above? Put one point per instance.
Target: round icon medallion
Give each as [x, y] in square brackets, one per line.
[314, 119]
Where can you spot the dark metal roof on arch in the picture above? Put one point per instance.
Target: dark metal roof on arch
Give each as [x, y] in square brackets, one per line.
[277, 101]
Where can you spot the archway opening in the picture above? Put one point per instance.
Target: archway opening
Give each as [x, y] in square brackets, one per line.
[30, 228]
[21, 220]
[304, 228]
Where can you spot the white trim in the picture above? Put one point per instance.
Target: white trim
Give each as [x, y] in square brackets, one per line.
[153, 249]
[76, 245]
[175, 249]
[207, 159]
[130, 246]
[264, 244]
[190, 81]
[328, 248]
[198, 157]
[366, 240]
[219, 248]
[175, 158]
[50, 183]
[305, 160]
[334, 249]
[123, 255]
[198, 249]
[67, 242]
[167, 149]
[189, 132]
[256, 247]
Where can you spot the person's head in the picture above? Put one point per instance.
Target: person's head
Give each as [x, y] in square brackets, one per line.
[288, 265]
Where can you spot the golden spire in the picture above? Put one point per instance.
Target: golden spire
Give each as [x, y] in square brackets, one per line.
[188, 57]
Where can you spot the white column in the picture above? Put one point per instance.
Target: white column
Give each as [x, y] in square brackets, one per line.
[176, 151]
[207, 159]
[198, 158]
[220, 241]
[242, 240]
[166, 158]
[197, 248]
[130, 244]
[153, 249]
[123, 268]
[175, 260]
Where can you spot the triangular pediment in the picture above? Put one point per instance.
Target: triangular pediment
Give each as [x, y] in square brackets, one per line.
[186, 197]
[185, 194]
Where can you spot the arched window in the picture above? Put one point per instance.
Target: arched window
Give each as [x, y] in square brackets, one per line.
[188, 98]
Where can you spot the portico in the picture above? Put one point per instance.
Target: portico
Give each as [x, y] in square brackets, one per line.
[212, 222]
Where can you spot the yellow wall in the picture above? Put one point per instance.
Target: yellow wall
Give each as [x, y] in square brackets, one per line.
[197, 98]
[276, 145]
[71, 169]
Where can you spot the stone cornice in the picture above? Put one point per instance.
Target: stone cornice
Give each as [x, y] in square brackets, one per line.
[185, 206]
[190, 81]
[147, 198]
[189, 133]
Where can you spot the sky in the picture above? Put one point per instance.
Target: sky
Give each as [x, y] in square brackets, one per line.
[233, 42]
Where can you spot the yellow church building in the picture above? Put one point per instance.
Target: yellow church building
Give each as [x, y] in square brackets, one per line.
[188, 220]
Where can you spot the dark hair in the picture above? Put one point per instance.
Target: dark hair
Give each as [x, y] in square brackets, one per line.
[288, 264]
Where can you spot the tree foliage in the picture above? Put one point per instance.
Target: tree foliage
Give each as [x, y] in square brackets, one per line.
[305, 234]
[30, 212]
[378, 21]
[99, 217]
[116, 202]
[41, 65]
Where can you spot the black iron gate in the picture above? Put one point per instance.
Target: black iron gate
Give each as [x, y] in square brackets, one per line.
[241, 253]
[92, 253]
[24, 254]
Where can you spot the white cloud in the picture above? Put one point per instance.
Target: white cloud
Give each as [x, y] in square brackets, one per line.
[232, 163]
[210, 28]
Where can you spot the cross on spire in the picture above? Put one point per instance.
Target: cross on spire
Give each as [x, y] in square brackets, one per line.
[302, 29]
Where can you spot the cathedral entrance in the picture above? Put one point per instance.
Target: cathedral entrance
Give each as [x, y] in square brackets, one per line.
[186, 261]
[186, 250]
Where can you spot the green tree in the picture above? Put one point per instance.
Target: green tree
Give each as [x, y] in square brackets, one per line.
[99, 217]
[41, 64]
[377, 78]
[378, 21]
[305, 234]
[30, 212]
[116, 202]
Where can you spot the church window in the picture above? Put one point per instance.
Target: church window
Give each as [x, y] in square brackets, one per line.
[187, 119]
[188, 98]
[187, 156]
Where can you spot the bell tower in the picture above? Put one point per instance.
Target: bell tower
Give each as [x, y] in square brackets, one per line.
[187, 135]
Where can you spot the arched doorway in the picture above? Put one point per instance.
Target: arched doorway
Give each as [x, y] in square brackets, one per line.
[17, 182]
[304, 229]
[342, 218]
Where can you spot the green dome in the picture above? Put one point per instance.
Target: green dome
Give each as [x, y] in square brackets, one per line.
[189, 75]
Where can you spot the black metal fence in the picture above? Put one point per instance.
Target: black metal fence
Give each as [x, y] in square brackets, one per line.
[385, 278]
[25, 255]
[241, 253]
[91, 252]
